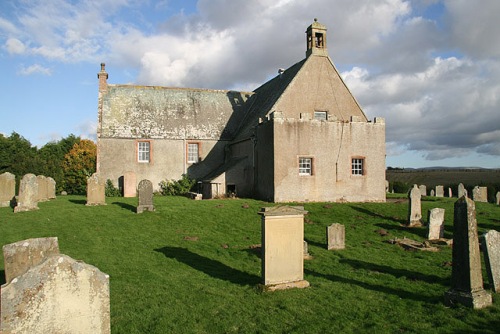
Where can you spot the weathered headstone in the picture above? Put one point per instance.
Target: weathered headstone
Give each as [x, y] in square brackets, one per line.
[95, 190]
[7, 189]
[283, 248]
[466, 276]
[386, 186]
[335, 235]
[450, 193]
[145, 191]
[436, 223]
[307, 256]
[461, 191]
[433, 193]
[491, 248]
[42, 188]
[498, 198]
[414, 207]
[51, 188]
[423, 190]
[28, 194]
[480, 194]
[58, 295]
[439, 191]
[129, 184]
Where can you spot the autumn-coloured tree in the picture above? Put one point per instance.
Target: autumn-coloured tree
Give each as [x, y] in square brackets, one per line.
[79, 163]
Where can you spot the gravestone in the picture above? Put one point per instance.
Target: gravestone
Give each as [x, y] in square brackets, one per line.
[386, 186]
[490, 242]
[51, 188]
[22, 255]
[7, 189]
[480, 194]
[498, 198]
[433, 193]
[95, 190]
[450, 193]
[145, 191]
[335, 235]
[461, 191]
[129, 184]
[283, 248]
[57, 295]
[414, 207]
[307, 256]
[439, 191]
[466, 276]
[423, 190]
[42, 188]
[28, 194]
[436, 223]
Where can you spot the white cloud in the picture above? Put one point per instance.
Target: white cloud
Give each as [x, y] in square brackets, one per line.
[35, 69]
[15, 46]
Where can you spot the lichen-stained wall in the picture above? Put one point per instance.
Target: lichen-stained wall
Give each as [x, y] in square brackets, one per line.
[331, 145]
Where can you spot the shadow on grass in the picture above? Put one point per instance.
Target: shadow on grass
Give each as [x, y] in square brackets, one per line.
[210, 267]
[78, 201]
[126, 206]
[377, 215]
[316, 244]
[374, 287]
[480, 326]
[409, 275]
[2, 277]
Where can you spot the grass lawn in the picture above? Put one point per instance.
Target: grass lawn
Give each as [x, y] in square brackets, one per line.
[191, 267]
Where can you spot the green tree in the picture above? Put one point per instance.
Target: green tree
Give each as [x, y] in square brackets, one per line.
[79, 163]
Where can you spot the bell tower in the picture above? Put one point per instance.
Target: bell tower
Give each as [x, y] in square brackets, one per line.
[316, 39]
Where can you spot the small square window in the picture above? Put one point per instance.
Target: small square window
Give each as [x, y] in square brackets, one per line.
[357, 166]
[143, 151]
[320, 115]
[193, 153]
[305, 166]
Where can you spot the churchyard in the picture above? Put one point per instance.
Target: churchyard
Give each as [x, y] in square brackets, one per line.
[194, 266]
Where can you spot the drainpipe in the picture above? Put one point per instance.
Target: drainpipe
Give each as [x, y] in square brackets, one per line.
[185, 157]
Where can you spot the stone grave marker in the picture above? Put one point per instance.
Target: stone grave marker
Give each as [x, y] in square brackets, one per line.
[490, 242]
[423, 190]
[96, 190]
[498, 198]
[433, 193]
[7, 189]
[466, 276]
[42, 188]
[28, 194]
[450, 193]
[129, 184]
[461, 191]
[439, 191]
[51, 188]
[335, 235]
[283, 248]
[414, 207]
[386, 186]
[480, 194]
[145, 191]
[436, 223]
[307, 256]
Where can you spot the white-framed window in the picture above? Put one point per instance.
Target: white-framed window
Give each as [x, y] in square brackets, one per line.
[143, 151]
[305, 166]
[357, 166]
[321, 115]
[193, 153]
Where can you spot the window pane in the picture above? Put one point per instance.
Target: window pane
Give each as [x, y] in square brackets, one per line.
[193, 153]
[305, 166]
[357, 166]
[320, 115]
[143, 151]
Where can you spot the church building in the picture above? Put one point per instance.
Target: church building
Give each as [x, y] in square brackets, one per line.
[301, 136]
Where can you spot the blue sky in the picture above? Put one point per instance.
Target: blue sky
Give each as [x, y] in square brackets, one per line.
[431, 68]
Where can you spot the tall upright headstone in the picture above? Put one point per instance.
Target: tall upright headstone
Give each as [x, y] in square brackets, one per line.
[129, 184]
[145, 191]
[461, 191]
[51, 188]
[450, 193]
[96, 190]
[466, 276]
[433, 193]
[439, 191]
[283, 248]
[491, 248]
[7, 189]
[335, 235]
[414, 207]
[436, 223]
[480, 194]
[423, 190]
[42, 188]
[28, 194]
[498, 198]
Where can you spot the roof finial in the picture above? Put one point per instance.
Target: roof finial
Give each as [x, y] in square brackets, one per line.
[315, 20]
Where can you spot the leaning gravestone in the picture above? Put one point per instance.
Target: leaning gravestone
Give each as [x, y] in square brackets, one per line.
[466, 276]
[145, 191]
[129, 184]
[439, 191]
[423, 190]
[28, 194]
[283, 248]
[335, 235]
[7, 189]
[491, 248]
[414, 207]
[436, 223]
[95, 190]
[461, 190]
[51, 188]
[480, 194]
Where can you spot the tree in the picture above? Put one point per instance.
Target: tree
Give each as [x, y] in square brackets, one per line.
[79, 163]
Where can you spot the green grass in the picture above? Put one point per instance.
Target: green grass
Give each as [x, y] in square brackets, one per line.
[189, 267]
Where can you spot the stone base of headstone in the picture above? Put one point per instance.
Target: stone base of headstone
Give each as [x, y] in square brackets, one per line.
[21, 208]
[142, 208]
[414, 223]
[476, 300]
[284, 286]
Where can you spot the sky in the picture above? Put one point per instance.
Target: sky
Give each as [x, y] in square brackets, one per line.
[431, 68]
